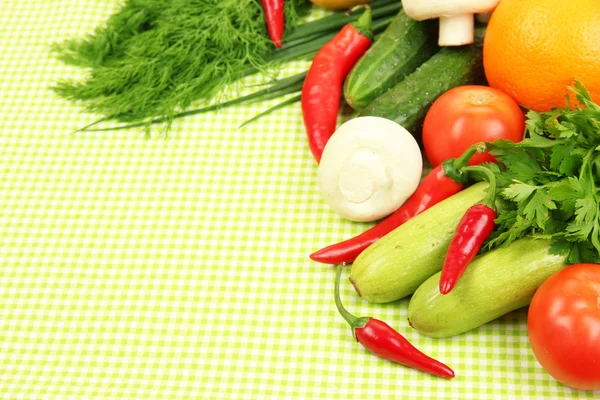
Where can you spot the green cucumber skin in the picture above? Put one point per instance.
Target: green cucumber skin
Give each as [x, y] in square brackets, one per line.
[407, 103]
[403, 46]
[494, 284]
[397, 264]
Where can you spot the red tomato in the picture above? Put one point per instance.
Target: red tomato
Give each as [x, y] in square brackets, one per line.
[564, 326]
[467, 115]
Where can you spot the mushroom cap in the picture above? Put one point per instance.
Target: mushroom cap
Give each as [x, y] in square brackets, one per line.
[427, 9]
[369, 168]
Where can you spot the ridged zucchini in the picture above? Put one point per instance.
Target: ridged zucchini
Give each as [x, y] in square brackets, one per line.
[395, 265]
[494, 284]
[408, 101]
[402, 47]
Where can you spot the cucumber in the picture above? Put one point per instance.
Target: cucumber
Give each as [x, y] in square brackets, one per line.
[494, 284]
[408, 101]
[402, 47]
[395, 265]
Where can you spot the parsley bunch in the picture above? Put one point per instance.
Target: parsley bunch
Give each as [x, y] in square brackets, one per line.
[548, 184]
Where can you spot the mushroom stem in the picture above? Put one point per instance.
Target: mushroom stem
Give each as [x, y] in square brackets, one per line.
[484, 18]
[456, 30]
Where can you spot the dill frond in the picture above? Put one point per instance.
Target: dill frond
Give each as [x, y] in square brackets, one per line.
[154, 58]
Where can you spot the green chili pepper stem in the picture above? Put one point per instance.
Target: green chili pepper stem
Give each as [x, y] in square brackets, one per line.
[490, 201]
[453, 167]
[464, 159]
[354, 321]
[364, 24]
[338, 19]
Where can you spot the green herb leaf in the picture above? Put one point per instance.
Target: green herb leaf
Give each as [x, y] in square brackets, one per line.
[568, 188]
[521, 164]
[548, 183]
[559, 152]
[538, 208]
[152, 59]
[586, 210]
[570, 165]
[519, 191]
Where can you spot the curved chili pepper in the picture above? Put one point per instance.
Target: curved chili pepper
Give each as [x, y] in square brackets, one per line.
[476, 225]
[382, 340]
[473, 229]
[275, 20]
[322, 87]
[434, 188]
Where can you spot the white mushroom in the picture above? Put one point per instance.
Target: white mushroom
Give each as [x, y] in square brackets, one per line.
[456, 17]
[369, 168]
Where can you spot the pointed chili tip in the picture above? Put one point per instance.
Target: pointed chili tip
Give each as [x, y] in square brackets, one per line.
[332, 255]
[446, 372]
[323, 258]
[446, 287]
[439, 369]
[277, 43]
[316, 256]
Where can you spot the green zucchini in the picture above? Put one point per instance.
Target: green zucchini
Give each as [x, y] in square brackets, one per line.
[402, 47]
[494, 284]
[407, 103]
[395, 265]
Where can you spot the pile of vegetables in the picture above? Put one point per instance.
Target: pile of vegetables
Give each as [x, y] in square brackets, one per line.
[486, 250]
[509, 203]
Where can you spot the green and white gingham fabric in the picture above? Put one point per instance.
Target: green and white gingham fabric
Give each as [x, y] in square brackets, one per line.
[177, 267]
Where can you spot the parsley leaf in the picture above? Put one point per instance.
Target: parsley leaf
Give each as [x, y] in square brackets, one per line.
[547, 185]
[566, 189]
[538, 208]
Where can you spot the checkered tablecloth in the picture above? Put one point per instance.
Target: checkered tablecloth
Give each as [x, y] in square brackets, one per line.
[177, 267]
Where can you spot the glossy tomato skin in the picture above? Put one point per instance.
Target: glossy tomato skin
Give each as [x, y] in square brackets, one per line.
[564, 326]
[466, 115]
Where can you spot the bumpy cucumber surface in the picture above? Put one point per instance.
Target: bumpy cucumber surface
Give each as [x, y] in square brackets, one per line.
[494, 284]
[394, 266]
[408, 101]
[404, 46]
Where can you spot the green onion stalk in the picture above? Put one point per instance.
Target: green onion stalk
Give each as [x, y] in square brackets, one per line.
[152, 60]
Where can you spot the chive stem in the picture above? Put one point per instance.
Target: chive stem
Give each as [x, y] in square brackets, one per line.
[283, 87]
[341, 18]
[268, 111]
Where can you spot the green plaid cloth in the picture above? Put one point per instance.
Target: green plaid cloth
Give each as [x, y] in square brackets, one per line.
[177, 267]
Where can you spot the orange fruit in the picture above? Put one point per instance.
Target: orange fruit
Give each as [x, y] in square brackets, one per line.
[533, 49]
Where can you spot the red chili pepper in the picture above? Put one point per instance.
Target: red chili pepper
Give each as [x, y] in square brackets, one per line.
[473, 229]
[275, 19]
[382, 340]
[323, 85]
[476, 225]
[434, 188]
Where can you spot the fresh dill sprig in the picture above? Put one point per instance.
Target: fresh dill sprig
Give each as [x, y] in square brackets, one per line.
[154, 58]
